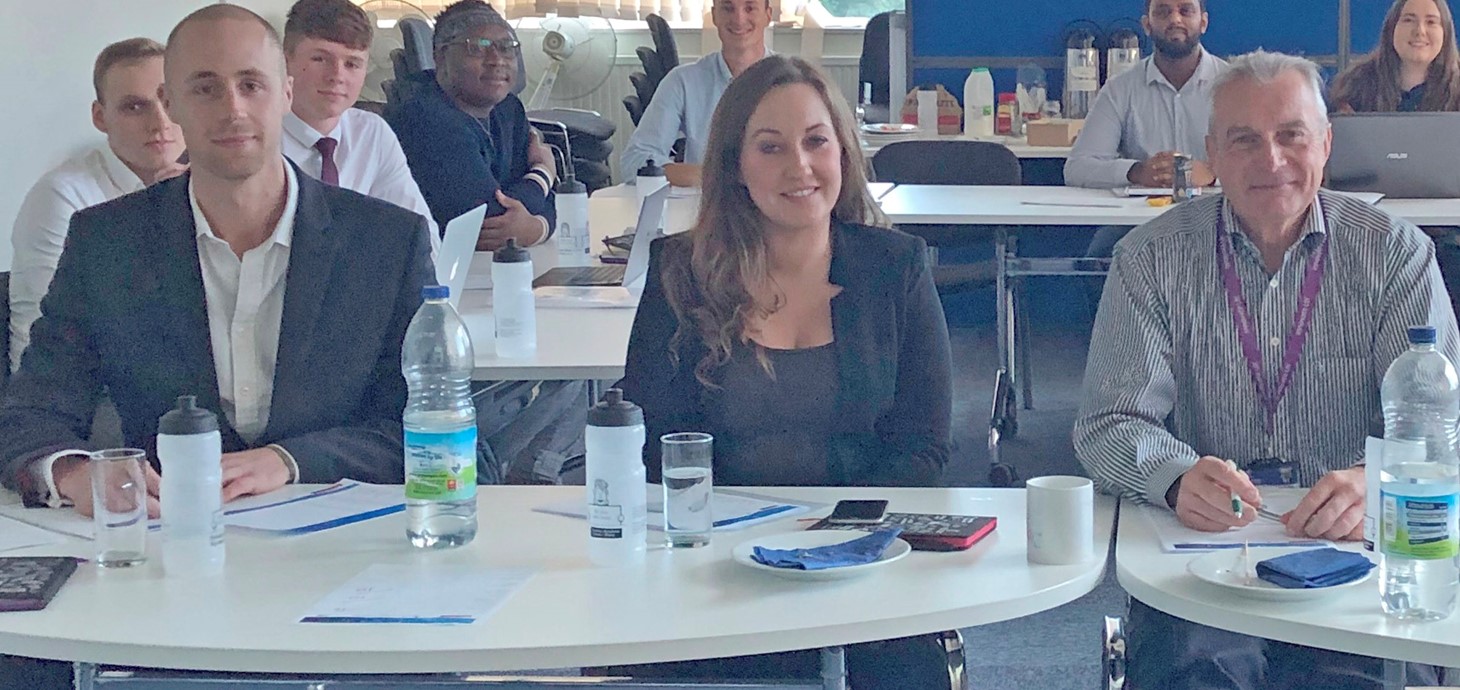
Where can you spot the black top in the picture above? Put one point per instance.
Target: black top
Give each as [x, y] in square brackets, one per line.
[777, 424]
[460, 162]
[890, 422]
[1410, 101]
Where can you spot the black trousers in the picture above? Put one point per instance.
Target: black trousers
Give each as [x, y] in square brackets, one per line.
[1168, 653]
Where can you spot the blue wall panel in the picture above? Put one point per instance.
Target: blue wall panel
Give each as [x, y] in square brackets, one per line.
[1367, 18]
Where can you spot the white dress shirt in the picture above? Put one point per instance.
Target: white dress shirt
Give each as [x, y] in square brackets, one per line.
[245, 303]
[1139, 114]
[40, 230]
[245, 311]
[369, 159]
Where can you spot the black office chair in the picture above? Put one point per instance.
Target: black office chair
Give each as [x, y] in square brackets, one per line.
[966, 163]
[875, 68]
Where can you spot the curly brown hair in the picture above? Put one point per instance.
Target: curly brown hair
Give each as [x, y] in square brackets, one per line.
[711, 292]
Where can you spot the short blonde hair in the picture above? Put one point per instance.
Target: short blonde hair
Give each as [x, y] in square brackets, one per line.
[118, 53]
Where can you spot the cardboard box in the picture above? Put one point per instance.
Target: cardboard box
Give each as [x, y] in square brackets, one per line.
[1053, 132]
[950, 115]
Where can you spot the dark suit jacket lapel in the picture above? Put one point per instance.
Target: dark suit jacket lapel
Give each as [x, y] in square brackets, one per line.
[312, 255]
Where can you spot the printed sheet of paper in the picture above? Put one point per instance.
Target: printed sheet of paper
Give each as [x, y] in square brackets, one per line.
[438, 595]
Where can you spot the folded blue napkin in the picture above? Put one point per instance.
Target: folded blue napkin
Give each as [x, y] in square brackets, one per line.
[1314, 568]
[855, 552]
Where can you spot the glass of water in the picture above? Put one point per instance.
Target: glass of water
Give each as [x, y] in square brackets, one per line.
[119, 505]
[688, 514]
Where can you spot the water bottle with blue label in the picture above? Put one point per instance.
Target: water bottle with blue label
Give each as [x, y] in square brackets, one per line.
[440, 426]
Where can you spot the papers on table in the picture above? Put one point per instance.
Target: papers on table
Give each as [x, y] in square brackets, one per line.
[431, 594]
[344, 503]
[15, 534]
[579, 296]
[1157, 191]
[734, 510]
[1176, 537]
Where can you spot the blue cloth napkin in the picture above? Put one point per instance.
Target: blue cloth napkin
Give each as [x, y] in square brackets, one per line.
[855, 552]
[1314, 568]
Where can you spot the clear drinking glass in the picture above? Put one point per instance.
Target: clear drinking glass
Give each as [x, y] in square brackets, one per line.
[688, 488]
[119, 504]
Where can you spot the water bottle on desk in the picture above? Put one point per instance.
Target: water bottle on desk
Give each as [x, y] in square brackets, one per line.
[514, 310]
[618, 518]
[572, 234]
[1418, 540]
[440, 426]
[190, 449]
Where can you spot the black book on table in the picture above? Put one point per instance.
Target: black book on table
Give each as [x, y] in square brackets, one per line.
[27, 583]
[930, 532]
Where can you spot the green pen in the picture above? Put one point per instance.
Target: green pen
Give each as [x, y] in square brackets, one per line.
[1236, 500]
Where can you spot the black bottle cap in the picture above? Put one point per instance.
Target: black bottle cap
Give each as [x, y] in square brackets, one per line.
[187, 419]
[613, 410]
[511, 254]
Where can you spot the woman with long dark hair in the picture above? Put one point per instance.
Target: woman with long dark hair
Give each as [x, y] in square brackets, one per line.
[1415, 67]
[792, 324]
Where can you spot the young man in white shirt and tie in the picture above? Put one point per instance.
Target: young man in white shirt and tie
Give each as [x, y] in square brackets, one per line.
[142, 147]
[327, 51]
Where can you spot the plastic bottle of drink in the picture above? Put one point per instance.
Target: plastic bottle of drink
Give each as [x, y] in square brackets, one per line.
[514, 309]
[440, 426]
[617, 495]
[190, 448]
[572, 234]
[1417, 516]
[978, 104]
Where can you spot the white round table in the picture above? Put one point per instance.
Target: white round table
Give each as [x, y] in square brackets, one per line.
[678, 605]
[1349, 621]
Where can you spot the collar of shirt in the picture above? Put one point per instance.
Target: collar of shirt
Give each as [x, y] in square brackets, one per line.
[1206, 70]
[121, 176]
[725, 66]
[283, 231]
[1313, 224]
[297, 129]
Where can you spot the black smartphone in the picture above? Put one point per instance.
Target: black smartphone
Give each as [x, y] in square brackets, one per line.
[858, 513]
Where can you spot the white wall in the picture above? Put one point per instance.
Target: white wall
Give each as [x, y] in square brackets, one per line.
[47, 48]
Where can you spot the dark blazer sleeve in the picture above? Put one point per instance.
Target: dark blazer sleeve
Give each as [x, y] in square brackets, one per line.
[370, 447]
[49, 403]
[916, 429]
[669, 393]
[444, 156]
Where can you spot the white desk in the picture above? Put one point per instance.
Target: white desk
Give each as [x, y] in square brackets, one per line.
[1350, 621]
[678, 605]
[872, 144]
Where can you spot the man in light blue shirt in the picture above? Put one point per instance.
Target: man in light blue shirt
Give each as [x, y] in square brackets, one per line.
[687, 96]
[1161, 107]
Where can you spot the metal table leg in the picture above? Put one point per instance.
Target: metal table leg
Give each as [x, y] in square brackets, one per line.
[83, 675]
[1394, 672]
[833, 668]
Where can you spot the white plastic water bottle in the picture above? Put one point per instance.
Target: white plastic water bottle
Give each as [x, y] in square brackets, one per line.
[440, 425]
[928, 111]
[978, 104]
[1418, 537]
[648, 180]
[618, 516]
[191, 450]
[572, 233]
[514, 311]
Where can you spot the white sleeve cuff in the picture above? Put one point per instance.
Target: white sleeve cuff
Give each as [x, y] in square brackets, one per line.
[43, 471]
[546, 231]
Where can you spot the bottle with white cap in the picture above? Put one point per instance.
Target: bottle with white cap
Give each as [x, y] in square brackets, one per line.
[647, 181]
[191, 451]
[514, 311]
[618, 515]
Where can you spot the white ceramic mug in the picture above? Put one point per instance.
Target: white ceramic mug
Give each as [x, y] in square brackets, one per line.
[1060, 520]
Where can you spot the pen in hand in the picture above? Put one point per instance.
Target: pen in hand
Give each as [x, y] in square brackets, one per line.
[1236, 500]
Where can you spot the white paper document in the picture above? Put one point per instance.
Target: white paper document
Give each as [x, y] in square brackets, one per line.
[1178, 538]
[15, 534]
[437, 594]
[734, 510]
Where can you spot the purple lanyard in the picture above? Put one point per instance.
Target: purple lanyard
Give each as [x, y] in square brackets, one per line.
[1270, 396]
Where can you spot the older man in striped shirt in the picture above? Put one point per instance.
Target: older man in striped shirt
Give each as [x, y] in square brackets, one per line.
[1253, 324]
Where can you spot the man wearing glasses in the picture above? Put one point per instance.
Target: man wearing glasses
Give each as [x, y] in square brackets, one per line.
[468, 142]
[466, 135]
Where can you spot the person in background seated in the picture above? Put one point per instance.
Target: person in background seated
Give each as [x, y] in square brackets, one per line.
[686, 98]
[327, 49]
[1201, 354]
[796, 327]
[280, 302]
[1415, 67]
[467, 140]
[142, 147]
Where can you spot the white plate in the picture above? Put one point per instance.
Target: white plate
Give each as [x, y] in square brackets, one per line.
[1224, 569]
[889, 128]
[810, 540]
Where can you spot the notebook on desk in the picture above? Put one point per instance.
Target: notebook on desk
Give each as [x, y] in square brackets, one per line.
[649, 227]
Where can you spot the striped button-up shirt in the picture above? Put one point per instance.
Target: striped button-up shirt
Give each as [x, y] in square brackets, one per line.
[1166, 381]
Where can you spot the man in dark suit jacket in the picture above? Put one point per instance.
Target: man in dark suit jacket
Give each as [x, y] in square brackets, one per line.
[277, 300]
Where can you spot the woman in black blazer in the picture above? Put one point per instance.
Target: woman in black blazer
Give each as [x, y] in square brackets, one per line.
[799, 330]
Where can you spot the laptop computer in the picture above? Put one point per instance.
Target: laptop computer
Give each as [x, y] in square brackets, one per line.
[1400, 155]
[649, 228]
[453, 260]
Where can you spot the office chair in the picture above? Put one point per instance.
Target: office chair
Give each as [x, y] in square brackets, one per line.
[874, 67]
[967, 163]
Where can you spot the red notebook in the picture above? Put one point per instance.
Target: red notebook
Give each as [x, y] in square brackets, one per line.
[930, 532]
